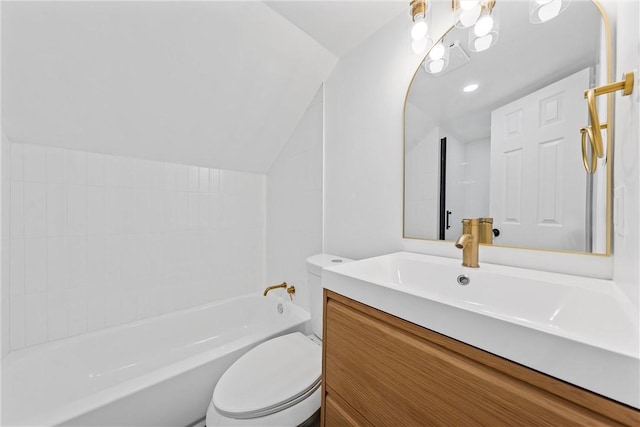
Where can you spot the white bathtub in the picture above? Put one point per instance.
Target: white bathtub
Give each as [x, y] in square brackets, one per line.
[157, 372]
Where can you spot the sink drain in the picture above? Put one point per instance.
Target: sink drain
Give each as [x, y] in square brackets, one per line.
[463, 280]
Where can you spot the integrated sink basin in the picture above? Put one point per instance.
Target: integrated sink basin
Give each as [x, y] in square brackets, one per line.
[581, 330]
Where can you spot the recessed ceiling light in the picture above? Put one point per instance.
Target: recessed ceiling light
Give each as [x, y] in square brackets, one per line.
[470, 88]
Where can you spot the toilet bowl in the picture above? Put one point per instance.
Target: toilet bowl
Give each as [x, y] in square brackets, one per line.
[277, 383]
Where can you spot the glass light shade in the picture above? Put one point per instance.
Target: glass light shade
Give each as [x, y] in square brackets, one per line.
[484, 25]
[465, 18]
[479, 44]
[469, 4]
[484, 42]
[437, 52]
[437, 62]
[434, 67]
[550, 10]
[541, 11]
[419, 29]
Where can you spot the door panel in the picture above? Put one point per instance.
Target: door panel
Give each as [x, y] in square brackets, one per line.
[538, 184]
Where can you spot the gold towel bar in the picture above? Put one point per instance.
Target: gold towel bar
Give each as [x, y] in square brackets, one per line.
[589, 166]
[593, 131]
[625, 85]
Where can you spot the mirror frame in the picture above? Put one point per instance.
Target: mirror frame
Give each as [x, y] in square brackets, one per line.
[608, 161]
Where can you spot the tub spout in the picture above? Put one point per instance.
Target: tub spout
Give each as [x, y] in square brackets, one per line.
[269, 288]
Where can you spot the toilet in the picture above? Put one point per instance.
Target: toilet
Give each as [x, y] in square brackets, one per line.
[277, 383]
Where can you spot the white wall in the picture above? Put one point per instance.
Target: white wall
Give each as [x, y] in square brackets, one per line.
[294, 203]
[364, 127]
[364, 101]
[626, 244]
[364, 105]
[99, 240]
[5, 245]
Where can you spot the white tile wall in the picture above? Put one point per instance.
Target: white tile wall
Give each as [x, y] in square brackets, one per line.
[100, 240]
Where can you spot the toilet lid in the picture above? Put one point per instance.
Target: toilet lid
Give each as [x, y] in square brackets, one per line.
[272, 376]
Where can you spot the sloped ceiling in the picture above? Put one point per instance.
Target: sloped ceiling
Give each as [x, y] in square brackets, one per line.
[219, 84]
[340, 25]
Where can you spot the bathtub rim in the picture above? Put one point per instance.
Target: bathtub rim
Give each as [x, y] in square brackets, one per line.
[15, 355]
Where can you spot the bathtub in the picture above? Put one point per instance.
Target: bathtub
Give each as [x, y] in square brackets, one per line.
[156, 372]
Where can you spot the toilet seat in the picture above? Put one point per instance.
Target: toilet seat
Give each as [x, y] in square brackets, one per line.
[273, 376]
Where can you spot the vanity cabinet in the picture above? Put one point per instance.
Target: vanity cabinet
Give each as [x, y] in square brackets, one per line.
[379, 370]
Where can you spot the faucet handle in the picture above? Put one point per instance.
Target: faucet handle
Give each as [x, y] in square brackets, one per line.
[291, 290]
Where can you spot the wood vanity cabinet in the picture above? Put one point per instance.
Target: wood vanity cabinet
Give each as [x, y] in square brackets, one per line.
[379, 370]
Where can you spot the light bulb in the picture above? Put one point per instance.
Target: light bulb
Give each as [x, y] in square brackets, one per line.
[483, 43]
[549, 10]
[469, 17]
[437, 52]
[470, 88]
[483, 26]
[419, 29]
[420, 46]
[468, 4]
[436, 66]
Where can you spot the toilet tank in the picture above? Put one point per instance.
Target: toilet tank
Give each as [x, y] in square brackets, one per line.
[315, 264]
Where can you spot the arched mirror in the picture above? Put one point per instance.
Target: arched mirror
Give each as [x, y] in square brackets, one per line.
[495, 133]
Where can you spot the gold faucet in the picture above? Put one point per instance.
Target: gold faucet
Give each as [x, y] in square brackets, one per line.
[291, 290]
[269, 288]
[486, 230]
[468, 242]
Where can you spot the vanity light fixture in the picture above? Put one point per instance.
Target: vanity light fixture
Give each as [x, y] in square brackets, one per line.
[481, 17]
[487, 20]
[419, 30]
[437, 59]
[420, 17]
[437, 52]
[466, 12]
[435, 67]
[485, 32]
[478, 44]
[545, 10]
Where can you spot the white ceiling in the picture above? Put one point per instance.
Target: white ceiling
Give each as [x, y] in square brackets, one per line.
[220, 84]
[339, 25]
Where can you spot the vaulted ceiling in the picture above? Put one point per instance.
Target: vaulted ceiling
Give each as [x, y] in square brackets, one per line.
[220, 84]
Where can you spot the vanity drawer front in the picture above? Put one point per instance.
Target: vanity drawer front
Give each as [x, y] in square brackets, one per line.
[389, 371]
[340, 414]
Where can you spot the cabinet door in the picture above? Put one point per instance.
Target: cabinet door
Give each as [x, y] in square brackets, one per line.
[393, 375]
[339, 414]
